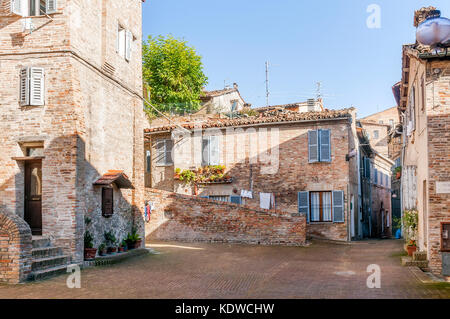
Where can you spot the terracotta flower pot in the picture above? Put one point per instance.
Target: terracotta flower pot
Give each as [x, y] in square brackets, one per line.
[398, 175]
[112, 250]
[121, 250]
[89, 253]
[411, 250]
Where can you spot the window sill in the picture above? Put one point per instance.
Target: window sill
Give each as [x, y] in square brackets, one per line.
[163, 165]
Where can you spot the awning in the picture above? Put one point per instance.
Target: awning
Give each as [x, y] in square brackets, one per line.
[114, 176]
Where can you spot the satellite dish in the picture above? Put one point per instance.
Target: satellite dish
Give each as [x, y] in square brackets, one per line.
[435, 30]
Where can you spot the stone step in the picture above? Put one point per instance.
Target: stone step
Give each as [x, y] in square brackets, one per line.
[46, 252]
[49, 272]
[49, 262]
[41, 242]
[409, 262]
[420, 256]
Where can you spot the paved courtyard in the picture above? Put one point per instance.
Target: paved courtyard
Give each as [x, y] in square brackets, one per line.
[199, 270]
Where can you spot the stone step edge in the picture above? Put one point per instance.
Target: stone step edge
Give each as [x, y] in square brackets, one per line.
[113, 259]
[47, 273]
[37, 260]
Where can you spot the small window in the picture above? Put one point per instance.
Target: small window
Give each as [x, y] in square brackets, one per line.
[391, 123]
[124, 42]
[381, 122]
[320, 206]
[210, 150]
[35, 151]
[319, 146]
[30, 8]
[148, 160]
[107, 202]
[164, 152]
[376, 134]
[32, 86]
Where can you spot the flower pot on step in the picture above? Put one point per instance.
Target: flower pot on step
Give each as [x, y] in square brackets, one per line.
[89, 253]
[411, 250]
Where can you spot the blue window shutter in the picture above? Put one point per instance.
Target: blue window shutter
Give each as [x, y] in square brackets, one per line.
[313, 146]
[338, 206]
[236, 199]
[375, 176]
[204, 197]
[303, 204]
[325, 145]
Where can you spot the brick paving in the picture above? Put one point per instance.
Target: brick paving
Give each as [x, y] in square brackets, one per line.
[199, 270]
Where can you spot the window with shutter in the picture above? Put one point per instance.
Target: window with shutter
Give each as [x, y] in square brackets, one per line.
[313, 146]
[338, 207]
[128, 41]
[50, 6]
[17, 7]
[24, 86]
[121, 41]
[107, 202]
[303, 204]
[210, 151]
[375, 176]
[205, 151]
[164, 152]
[325, 145]
[168, 151]
[36, 86]
[236, 199]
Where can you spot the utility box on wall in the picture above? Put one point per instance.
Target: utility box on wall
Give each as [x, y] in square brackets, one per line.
[445, 248]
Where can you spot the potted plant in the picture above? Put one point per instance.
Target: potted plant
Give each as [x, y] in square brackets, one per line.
[89, 250]
[133, 240]
[111, 241]
[123, 246]
[412, 247]
[398, 172]
[102, 249]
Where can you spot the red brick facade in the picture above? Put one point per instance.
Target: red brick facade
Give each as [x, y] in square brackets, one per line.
[188, 218]
[15, 249]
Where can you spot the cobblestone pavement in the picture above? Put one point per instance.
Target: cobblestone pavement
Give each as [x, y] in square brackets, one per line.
[199, 270]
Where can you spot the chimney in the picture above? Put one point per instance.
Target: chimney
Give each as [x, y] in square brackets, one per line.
[422, 14]
[235, 86]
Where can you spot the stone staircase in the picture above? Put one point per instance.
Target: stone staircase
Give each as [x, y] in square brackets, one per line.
[48, 260]
[418, 259]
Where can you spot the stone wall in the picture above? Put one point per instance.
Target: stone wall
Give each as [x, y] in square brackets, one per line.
[15, 249]
[188, 218]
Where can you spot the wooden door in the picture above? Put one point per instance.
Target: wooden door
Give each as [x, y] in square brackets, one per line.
[33, 196]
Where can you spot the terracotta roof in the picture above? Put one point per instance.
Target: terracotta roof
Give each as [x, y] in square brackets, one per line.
[115, 176]
[270, 117]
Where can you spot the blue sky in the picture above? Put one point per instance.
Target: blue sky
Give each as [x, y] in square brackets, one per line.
[304, 41]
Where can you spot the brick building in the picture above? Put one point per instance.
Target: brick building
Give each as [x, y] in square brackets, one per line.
[221, 101]
[71, 124]
[295, 162]
[424, 103]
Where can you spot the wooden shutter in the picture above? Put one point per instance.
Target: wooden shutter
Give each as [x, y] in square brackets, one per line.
[375, 176]
[36, 86]
[313, 146]
[160, 152]
[214, 151]
[168, 152]
[303, 204]
[236, 199]
[338, 206]
[325, 145]
[107, 202]
[24, 94]
[50, 6]
[367, 167]
[205, 151]
[17, 7]
[128, 41]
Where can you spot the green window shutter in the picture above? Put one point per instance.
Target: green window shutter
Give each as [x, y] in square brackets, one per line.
[303, 204]
[325, 145]
[313, 146]
[338, 207]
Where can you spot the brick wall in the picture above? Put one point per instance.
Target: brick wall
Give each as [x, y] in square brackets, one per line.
[294, 172]
[438, 170]
[187, 218]
[15, 249]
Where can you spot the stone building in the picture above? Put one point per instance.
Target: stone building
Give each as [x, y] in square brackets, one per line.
[303, 163]
[71, 124]
[222, 101]
[311, 105]
[424, 103]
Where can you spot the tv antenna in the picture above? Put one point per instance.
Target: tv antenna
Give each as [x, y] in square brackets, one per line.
[267, 83]
[319, 90]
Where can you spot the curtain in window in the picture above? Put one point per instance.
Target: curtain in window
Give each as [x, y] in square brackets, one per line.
[315, 207]
[326, 198]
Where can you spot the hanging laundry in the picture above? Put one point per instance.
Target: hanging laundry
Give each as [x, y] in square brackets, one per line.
[246, 194]
[265, 200]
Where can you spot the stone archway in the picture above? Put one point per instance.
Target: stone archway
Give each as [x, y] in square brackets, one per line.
[15, 249]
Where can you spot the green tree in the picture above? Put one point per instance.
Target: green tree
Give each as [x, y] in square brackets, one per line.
[173, 73]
